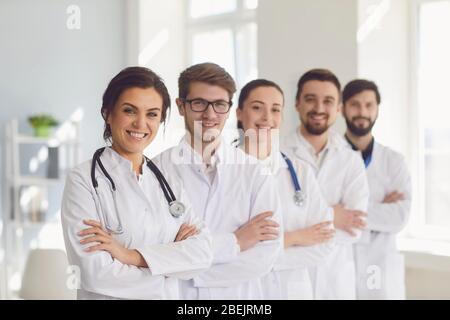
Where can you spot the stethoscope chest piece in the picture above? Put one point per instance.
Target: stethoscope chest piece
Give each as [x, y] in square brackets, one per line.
[299, 194]
[299, 198]
[176, 209]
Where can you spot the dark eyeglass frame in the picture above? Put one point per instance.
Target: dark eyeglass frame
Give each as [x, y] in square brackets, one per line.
[230, 103]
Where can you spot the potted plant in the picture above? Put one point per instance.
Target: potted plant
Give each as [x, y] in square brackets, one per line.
[42, 123]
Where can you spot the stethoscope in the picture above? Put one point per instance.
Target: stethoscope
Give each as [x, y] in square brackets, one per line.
[176, 208]
[299, 194]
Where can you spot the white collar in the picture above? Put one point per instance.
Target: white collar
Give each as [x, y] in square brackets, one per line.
[190, 156]
[335, 141]
[115, 160]
[273, 163]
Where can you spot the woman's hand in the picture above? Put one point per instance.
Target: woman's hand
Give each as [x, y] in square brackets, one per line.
[312, 235]
[186, 231]
[105, 242]
[259, 228]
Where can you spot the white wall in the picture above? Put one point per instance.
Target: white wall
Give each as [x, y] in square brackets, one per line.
[295, 36]
[47, 68]
[157, 41]
[384, 57]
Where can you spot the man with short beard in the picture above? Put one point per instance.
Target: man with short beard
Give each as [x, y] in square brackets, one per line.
[340, 174]
[379, 267]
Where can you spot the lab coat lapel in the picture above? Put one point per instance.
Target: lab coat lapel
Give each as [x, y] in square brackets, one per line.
[299, 149]
[214, 195]
[113, 161]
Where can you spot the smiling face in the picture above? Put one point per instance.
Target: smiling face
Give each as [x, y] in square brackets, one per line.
[262, 112]
[361, 112]
[135, 120]
[204, 126]
[318, 106]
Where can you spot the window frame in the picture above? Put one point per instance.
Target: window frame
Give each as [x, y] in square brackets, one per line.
[230, 20]
[418, 227]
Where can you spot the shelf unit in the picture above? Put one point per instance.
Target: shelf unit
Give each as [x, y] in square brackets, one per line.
[17, 222]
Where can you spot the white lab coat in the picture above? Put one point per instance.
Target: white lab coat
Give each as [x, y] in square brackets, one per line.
[387, 172]
[148, 227]
[289, 278]
[238, 192]
[342, 179]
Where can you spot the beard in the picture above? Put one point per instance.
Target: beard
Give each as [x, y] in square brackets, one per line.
[358, 130]
[315, 129]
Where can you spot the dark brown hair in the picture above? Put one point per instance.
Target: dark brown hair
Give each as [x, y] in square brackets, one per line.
[320, 75]
[132, 77]
[249, 87]
[357, 86]
[209, 73]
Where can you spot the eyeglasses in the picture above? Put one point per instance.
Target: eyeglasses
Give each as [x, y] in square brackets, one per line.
[200, 105]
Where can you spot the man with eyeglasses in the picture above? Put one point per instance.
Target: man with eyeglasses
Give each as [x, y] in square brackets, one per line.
[227, 188]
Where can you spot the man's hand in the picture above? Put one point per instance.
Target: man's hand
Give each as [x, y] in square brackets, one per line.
[393, 197]
[259, 228]
[347, 220]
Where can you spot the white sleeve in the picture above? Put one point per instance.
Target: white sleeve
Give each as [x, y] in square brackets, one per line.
[392, 217]
[355, 196]
[181, 259]
[258, 260]
[211, 244]
[99, 272]
[317, 211]
[224, 245]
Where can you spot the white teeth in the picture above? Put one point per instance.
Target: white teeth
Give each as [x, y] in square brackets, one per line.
[137, 134]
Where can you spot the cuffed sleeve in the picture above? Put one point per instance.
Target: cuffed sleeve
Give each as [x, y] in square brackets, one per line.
[393, 217]
[355, 196]
[257, 261]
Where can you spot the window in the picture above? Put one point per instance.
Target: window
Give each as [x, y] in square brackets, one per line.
[432, 70]
[224, 32]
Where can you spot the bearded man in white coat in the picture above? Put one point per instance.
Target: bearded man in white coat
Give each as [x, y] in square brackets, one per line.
[341, 176]
[379, 266]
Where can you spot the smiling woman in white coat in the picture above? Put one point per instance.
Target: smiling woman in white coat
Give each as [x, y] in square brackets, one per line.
[307, 219]
[129, 229]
